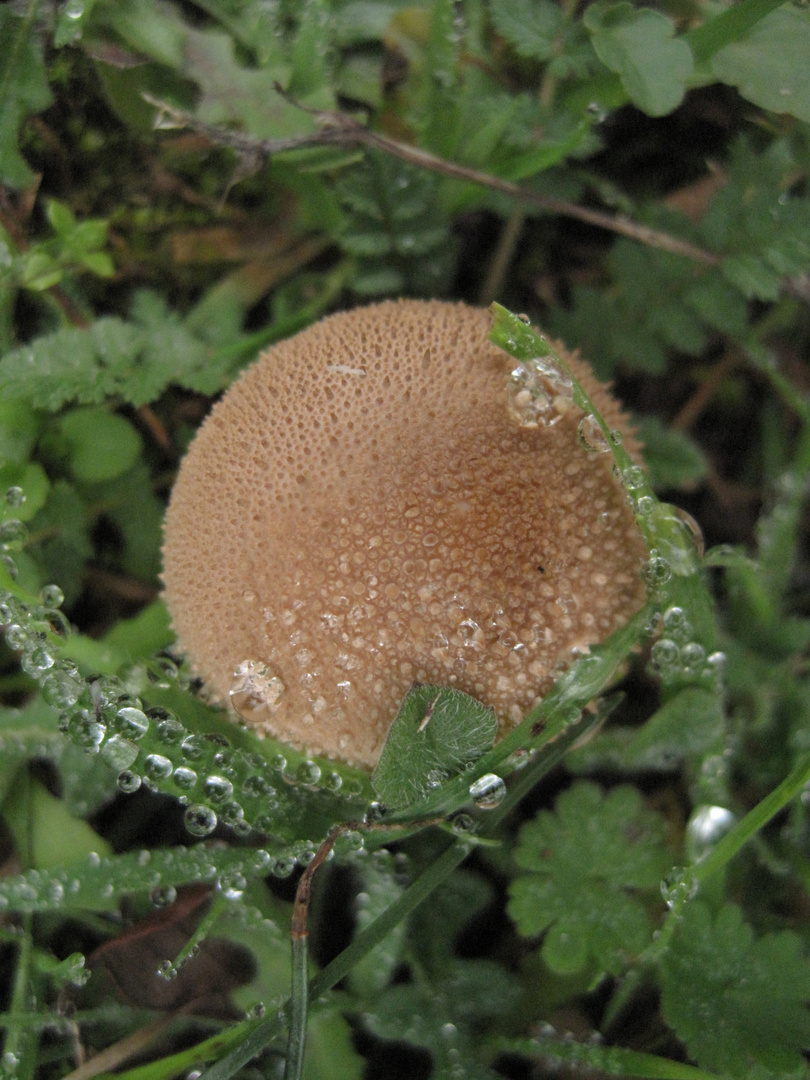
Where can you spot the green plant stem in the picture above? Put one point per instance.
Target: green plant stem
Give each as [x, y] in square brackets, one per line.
[430, 879]
[299, 1000]
[21, 1040]
[728, 27]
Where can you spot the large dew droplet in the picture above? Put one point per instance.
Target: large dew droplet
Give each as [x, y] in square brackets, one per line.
[200, 820]
[591, 435]
[255, 691]
[488, 791]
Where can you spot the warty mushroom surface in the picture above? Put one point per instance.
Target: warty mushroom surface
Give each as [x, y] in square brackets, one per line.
[387, 498]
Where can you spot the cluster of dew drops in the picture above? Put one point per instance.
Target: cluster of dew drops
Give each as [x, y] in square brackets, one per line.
[150, 748]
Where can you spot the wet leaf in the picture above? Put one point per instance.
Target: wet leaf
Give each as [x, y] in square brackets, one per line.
[716, 980]
[584, 860]
[23, 90]
[437, 731]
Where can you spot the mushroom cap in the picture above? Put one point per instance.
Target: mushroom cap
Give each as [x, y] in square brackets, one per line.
[388, 498]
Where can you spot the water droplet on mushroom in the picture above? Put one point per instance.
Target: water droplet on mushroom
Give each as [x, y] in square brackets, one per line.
[255, 691]
[488, 791]
[200, 820]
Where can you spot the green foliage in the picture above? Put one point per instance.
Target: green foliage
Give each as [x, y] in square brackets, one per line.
[437, 732]
[639, 45]
[721, 1018]
[146, 256]
[583, 860]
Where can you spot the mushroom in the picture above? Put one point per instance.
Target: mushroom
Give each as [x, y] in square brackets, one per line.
[388, 499]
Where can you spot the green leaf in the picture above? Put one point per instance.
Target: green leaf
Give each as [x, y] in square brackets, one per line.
[739, 1003]
[752, 276]
[769, 64]
[47, 834]
[437, 731]
[61, 535]
[607, 1060]
[530, 26]
[583, 861]
[23, 89]
[673, 459]
[100, 445]
[640, 46]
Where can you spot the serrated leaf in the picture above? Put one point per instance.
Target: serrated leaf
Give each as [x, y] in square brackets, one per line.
[530, 26]
[752, 276]
[437, 731]
[24, 90]
[769, 64]
[584, 859]
[739, 1003]
[639, 45]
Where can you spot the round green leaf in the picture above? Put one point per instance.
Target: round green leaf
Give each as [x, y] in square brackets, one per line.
[100, 445]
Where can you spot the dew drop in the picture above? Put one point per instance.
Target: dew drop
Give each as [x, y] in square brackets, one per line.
[157, 767]
[15, 496]
[167, 970]
[218, 789]
[51, 596]
[283, 866]
[231, 813]
[128, 781]
[193, 747]
[707, 825]
[256, 691]
[200, 820]
[118, 752]
[232, 885]
[163, 896]
[679, 886]
[463, 824]
[184, 778]
[591, 435]
[13, 536]
[133, 723]
[695, 530]
[308, 773]
[645, 505]
[488, 791]
[656, 571]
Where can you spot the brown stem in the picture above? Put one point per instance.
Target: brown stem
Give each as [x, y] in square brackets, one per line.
[340, 129]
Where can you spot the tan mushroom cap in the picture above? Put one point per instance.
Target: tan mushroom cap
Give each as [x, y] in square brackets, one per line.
[384, 499]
